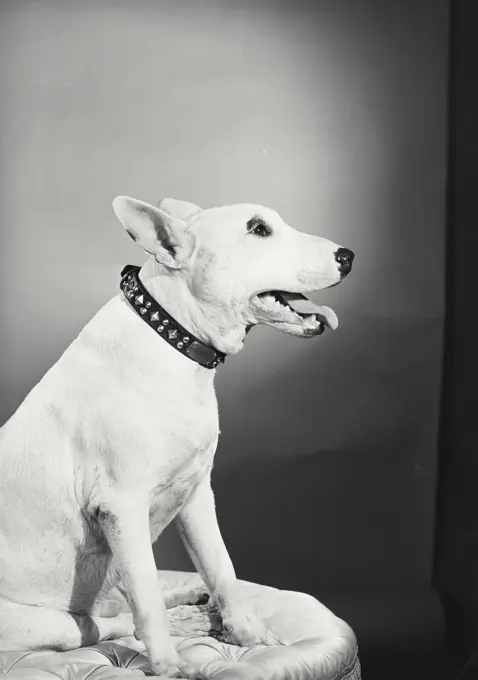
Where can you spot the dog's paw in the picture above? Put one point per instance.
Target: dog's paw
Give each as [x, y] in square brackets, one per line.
[176, 668]
[186, 595]
[246, 631]
[212, 605]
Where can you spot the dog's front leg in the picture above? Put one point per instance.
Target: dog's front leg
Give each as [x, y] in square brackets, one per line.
[125, 522]
[198, 527]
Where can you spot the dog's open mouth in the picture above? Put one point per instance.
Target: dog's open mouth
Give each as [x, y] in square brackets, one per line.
[295, 311]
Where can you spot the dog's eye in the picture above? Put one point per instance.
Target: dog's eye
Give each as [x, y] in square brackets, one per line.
[258, 227]
[261, 230]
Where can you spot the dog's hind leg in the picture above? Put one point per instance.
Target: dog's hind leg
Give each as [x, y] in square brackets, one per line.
[189, 612]
[183, 595]
[29, 627]
[173, 597]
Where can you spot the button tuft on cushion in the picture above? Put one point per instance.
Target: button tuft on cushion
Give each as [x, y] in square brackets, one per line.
[317, 646]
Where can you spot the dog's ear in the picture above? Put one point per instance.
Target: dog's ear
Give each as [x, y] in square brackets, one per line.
[162, 235]
[180, 209]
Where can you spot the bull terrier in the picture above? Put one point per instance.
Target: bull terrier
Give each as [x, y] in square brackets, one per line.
[118, 438]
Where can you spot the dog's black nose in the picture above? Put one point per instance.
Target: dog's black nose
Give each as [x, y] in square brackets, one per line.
[344, 257]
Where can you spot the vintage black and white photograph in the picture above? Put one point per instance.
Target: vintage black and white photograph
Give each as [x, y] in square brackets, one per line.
[238, 428]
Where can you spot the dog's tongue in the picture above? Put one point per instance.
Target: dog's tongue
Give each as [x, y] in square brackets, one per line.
[303, 305]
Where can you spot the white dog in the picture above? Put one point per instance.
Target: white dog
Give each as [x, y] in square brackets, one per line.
[118, 438]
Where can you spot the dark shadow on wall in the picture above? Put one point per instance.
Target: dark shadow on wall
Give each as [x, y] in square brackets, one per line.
[299, 523]
[456, 564]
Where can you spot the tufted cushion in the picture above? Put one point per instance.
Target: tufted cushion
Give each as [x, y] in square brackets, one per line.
[318, 646]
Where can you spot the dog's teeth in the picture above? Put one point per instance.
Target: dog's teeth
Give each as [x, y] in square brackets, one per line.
[139, 299]
[154, 317]
[172, 333]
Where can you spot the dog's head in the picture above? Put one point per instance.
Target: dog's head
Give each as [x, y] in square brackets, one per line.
[242, 263]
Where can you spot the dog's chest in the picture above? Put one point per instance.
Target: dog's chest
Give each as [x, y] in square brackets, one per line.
[169, 496]
[182, 441]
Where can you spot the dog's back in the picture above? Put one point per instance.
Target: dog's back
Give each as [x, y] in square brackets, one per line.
[43, 528]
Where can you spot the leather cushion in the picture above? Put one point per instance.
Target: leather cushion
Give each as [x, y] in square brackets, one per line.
[318, 645]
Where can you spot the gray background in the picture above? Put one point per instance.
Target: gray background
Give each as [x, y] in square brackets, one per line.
[332, 112]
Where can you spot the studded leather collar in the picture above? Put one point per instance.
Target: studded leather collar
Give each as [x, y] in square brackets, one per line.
[163, 323]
